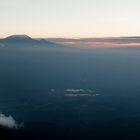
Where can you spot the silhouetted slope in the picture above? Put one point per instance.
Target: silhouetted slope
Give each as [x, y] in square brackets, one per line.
[24, 40]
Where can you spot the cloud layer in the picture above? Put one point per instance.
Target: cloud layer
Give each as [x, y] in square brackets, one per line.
[75, 95]
[101, 42]
[8, 121]
[74, 90]
[80, 92]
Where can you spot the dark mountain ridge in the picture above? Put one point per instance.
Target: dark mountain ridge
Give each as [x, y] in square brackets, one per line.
[24, 40]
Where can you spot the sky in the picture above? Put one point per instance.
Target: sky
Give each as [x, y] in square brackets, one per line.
[70, 18]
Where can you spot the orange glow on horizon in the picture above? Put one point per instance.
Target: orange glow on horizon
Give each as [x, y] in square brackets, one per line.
[76, 36]
[101, 44]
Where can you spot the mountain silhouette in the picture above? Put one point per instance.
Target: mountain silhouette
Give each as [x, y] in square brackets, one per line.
[25, 40]
[21, 37]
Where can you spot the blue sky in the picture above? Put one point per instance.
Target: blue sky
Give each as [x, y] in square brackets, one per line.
[70, 18]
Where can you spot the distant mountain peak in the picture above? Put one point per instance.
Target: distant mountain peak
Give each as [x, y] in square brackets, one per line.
[25, 40]
[19, 37]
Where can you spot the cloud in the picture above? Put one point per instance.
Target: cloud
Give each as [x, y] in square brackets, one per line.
[80, 92]
[75, 95]
[71, 92]
[102, 42]
[75, 90]
[8, 121]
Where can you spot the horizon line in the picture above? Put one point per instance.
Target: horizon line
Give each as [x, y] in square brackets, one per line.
[84, 37]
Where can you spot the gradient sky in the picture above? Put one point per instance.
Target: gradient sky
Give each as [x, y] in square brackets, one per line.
[70, 18]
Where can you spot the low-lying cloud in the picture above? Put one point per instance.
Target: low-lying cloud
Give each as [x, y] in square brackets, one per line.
[79, 90]
[109, 42]
[75, 90]
[75, 95]
[72, 92]
[8, 121]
